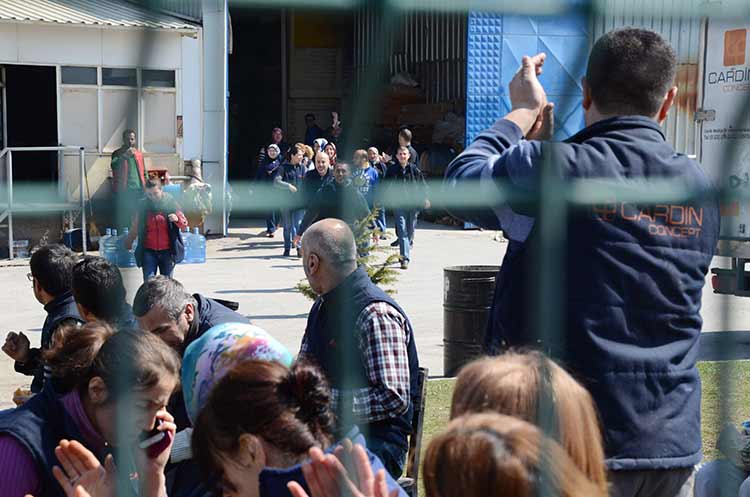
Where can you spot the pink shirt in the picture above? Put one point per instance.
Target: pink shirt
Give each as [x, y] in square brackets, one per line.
[19, 475]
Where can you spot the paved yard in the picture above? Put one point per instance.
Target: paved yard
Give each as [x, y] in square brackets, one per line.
[249, 268]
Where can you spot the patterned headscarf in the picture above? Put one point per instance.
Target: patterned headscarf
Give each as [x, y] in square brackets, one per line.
[322, 142]
[208, 359]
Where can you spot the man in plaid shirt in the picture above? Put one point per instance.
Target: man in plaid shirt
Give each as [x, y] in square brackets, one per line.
[363, 341]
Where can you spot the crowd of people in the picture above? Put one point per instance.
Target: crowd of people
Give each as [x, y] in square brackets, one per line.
[610, 407]
[314, 184]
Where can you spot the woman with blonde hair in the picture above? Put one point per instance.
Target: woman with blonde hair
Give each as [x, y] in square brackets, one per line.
[516, 384]
[478, 455]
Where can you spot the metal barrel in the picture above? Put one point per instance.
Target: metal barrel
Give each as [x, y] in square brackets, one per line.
[467, 300]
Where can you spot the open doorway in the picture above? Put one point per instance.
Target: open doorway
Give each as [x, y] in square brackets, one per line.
[255, 86]
[31, 118]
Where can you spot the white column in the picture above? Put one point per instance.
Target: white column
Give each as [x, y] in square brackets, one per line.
[215, 87]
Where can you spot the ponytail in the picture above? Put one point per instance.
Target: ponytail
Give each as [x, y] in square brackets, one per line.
[72, 352]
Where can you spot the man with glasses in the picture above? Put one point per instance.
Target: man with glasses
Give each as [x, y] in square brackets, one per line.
[51, 277]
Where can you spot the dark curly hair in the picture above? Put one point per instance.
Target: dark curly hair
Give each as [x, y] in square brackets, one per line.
[289, 408]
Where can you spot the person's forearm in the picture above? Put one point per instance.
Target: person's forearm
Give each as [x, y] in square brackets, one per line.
[31, 363]
[494, 141]
[154, 485]
[523, 118]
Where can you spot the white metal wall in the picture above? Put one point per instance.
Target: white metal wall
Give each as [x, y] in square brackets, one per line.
[684, 33]
[94, 115]
[82, 45]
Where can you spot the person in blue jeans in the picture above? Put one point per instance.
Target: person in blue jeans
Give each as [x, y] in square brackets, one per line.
[376, 162]
[290, 179]
[366, 179]
[411, 185]
[157, 225]
[267, 172]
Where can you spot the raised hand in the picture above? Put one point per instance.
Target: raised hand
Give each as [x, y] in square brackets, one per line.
[151, 469]
[327, 476]
[526, 91]
[544, 127]
[17, 346]
[82, 475]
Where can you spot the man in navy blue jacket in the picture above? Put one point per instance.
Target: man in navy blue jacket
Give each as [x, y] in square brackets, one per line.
[633, 273]
[52, 275]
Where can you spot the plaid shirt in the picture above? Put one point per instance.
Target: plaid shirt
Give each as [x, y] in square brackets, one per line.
[383, 340]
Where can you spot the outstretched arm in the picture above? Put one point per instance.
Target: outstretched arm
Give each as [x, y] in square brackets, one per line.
[500, 152]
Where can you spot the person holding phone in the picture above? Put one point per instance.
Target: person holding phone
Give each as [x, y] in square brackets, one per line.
[92, 361]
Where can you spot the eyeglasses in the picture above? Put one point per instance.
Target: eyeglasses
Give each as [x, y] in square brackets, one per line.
[30, 276]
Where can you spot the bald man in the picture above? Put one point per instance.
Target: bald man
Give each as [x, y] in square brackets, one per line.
[364, 342]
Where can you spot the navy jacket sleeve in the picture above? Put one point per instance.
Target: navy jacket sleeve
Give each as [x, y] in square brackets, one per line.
[498, 153]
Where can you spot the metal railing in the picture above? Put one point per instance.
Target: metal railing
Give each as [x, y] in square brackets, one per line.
[7, 212]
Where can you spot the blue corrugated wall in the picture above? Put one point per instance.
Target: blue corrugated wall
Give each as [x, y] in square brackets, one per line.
[495, 46]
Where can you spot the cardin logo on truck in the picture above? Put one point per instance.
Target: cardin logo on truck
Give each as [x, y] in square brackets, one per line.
[735, 54]
[676, 221]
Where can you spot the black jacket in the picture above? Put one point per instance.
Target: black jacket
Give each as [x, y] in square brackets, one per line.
[408, 182]
[338, 201]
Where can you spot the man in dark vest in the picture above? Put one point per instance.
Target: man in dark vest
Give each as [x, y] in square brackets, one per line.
[51, 276]
[363, 341]
[163, 307]
[634, 274]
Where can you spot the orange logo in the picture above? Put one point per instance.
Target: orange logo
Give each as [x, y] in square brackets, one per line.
[735, 47]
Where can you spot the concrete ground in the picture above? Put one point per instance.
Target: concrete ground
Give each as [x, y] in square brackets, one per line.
[248, 267]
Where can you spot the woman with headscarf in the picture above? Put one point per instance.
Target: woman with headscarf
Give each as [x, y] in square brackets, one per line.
[319, 145]
[330, 149]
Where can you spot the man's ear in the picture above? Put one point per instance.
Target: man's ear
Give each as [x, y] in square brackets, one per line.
[97, 391]
[189, 313]
[669, 99]
[85, 314]
[587, 100]
[313, 263]
[250, 452]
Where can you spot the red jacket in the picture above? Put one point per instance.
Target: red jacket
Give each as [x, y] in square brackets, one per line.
[157, 230]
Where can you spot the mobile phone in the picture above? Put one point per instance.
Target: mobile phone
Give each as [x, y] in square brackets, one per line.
[154, 441]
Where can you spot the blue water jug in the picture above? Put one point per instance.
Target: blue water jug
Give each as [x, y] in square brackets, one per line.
[110, 247]
[186, 236]
[125, 257]
[103, 241]
[198, 247]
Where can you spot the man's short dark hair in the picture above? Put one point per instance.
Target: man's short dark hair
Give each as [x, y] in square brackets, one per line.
[128, 132]
[97, 286]
[629, 72]
[405, 133]
[310, 116]
[165, 292]
[52, 267]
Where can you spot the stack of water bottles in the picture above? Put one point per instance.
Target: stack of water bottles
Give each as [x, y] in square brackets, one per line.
[195, 247]
[112, 248]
